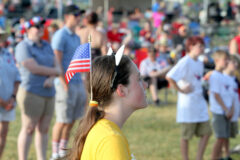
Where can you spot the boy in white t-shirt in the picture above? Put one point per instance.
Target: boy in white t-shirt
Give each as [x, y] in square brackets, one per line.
[221, 103]
[229, 73]
[192, 111]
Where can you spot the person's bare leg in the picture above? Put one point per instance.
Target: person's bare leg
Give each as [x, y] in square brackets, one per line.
[25, 136]
[57, 131]
[217, 148]
[41, 137]
[3, 135]
[64, 139]
[67, 130]
[153, 89]
[202, 146]
[226, 147]
[184, 149]
[56, 136]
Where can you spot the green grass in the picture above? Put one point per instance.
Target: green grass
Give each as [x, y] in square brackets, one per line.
[153, 134]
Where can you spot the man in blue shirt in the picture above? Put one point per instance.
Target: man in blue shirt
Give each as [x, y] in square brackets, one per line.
[70, 99]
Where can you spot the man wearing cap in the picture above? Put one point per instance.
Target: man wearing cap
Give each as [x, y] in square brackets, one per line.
[70, 99]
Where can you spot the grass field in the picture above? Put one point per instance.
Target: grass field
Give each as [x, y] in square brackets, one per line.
[152, 134]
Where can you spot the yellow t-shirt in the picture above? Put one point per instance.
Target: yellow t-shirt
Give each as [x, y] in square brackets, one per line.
[105, 141]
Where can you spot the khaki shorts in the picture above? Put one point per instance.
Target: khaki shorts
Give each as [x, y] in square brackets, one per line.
[233, 129]
[33, 105]
[199, 129]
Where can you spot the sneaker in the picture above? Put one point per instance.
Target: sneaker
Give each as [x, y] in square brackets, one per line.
[55, 156]
[62, 153]
[235, 149]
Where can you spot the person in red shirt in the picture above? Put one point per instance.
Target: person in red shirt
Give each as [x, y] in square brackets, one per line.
[234, 46]
[234, 49]
[114, 35]
[146, 33]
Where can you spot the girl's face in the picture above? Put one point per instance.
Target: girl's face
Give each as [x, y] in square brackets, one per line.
[136, 97]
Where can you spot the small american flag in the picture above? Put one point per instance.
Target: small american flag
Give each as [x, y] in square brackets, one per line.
[81, 61]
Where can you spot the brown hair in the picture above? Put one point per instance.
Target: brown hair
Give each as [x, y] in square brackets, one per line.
[92, 18]
[219, 54]
[234, 59]
[103, 69]
[151, 50]
[54, 26]
[192, 41]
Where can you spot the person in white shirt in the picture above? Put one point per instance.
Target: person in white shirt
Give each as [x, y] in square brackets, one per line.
[229, 73]
[154, 74]
[192, 111]
[221, 103]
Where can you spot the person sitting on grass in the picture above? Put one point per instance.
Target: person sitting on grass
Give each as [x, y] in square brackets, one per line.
[192, 111]
[154, 74]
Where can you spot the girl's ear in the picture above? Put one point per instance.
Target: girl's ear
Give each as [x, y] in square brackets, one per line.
[121, 90]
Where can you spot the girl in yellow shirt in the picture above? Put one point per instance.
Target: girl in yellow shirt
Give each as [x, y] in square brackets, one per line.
[117, 91]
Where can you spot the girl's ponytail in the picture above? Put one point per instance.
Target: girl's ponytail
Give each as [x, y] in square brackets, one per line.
[92, 115]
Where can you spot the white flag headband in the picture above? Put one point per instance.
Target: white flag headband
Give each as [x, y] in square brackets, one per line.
[118, 57]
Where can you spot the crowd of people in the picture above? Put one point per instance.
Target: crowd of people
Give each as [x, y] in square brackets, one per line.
[161, 51]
